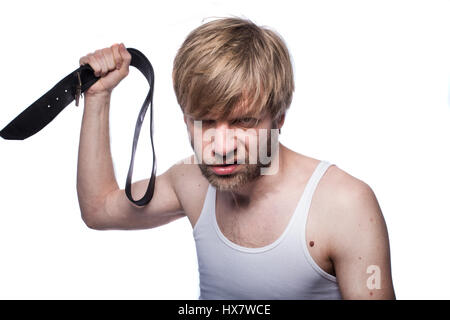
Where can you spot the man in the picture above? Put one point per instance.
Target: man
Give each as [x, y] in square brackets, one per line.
[283, 226]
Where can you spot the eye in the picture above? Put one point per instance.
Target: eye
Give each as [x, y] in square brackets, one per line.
[246, 122]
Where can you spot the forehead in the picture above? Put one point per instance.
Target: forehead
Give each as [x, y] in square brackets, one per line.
[235, 112]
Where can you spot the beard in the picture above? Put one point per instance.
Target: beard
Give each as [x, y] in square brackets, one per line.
[244, 174]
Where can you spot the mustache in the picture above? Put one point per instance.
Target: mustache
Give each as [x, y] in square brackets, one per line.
[230, 159]
[230, 162]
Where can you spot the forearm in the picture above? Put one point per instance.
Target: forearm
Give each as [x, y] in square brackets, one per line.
[95, 172]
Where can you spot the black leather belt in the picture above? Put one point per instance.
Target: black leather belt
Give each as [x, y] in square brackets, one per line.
[47, 107]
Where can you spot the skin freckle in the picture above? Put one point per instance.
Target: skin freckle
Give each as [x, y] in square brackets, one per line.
[371, 293]
[311, 243]
[359, 258]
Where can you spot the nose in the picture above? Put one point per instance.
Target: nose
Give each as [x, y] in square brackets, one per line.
[224, 141]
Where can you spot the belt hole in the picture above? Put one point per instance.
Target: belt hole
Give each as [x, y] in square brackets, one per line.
[65, 90]
[57, 98]
[49, 106]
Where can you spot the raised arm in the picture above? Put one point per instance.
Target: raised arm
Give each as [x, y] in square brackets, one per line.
[103, 205]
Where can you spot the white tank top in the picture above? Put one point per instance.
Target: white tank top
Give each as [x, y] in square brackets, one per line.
[283, 269]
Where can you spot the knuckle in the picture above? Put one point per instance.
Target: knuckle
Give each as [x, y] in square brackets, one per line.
[107, 51]
[96, 68]
[109, 56]
[98, 54]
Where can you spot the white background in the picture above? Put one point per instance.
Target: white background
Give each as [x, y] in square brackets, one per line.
[372, 96]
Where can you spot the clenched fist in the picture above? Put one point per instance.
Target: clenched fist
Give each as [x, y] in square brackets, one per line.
[111, 64]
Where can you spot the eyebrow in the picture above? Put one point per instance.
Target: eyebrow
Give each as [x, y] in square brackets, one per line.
[207, 117]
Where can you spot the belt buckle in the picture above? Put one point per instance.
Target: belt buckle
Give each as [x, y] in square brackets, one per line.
[78, 90]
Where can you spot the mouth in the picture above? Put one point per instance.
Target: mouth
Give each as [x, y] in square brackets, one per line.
[224, 169]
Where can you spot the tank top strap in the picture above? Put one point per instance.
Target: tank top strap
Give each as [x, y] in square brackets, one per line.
[313, 182]
[303, 204]
[302, 216]
[208, 211]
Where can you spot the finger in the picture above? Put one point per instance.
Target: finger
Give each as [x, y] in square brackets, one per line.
[90, 59]
[98, 56]
[83, 60]
[109, 59]
[117, 57]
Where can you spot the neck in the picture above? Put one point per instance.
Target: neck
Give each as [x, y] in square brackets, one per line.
[250, 193]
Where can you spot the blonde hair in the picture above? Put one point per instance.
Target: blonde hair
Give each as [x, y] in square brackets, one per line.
[231, 67]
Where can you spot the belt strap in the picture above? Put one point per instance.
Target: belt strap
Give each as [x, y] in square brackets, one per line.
[47, 107]
[139, 61]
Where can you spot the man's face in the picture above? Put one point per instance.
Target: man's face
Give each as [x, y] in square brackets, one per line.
[230, 153]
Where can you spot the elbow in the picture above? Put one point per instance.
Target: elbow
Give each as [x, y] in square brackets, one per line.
[95, 215]
[92, 221]
[92, 214]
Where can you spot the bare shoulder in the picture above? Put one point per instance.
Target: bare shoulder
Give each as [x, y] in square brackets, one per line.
[353, 214]
[339, 194]
[357, 236]
[342, 205]
[190, 186]
[345, 200]
[347, 196]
